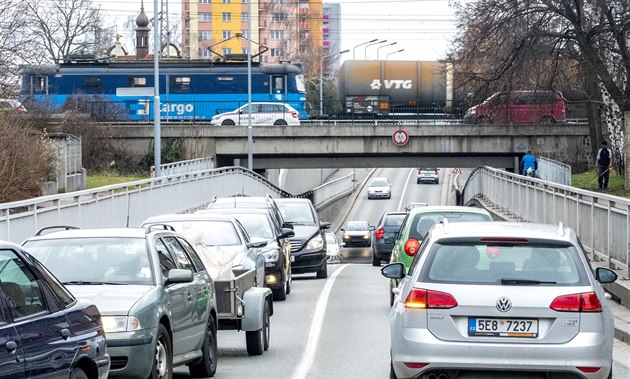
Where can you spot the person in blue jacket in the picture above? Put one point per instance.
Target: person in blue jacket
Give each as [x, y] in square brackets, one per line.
[529, 164]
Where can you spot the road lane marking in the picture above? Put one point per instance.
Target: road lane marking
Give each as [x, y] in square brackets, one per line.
[316, 327]
[402, 196]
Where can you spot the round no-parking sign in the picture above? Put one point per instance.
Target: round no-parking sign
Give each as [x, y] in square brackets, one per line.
[400, 137]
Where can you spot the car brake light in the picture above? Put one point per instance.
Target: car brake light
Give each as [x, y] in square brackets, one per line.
[411, 247]
[415, 364]
[577, 302]
[436, 172]
[380, 233]
[588, 369]
[419, 172]
[503, 240]
[425, 299]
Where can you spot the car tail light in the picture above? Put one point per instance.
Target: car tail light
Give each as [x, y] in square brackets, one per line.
[588, 369]
[435, 172]
[511, 240]
[380, 233]
[415, 364]
[294, 114]
[411, 247]
[577, 302]
[425, 299]
[419, 172]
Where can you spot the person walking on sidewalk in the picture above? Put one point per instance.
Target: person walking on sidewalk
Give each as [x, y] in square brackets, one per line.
[604, 164]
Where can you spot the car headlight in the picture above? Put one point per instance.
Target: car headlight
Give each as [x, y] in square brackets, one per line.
[113, 324]
[271, 256]
[315, 243]
[366, 237]
[346, 237]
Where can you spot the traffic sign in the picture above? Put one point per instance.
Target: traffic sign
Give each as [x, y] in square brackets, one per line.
[457, 170]
[400, 137]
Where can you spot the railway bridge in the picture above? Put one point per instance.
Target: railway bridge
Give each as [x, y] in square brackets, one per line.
[377, 145]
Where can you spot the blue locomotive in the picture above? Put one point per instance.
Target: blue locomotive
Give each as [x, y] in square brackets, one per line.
[114, 89]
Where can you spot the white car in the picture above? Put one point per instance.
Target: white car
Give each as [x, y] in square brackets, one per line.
[379, 188]
[428, 174]
[262, 114]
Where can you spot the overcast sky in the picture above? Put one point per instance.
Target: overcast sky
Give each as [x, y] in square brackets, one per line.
[423, 28]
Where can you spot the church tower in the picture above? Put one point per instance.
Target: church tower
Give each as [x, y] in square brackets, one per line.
[142, 34]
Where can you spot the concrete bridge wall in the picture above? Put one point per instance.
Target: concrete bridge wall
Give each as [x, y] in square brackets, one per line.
[359, 146]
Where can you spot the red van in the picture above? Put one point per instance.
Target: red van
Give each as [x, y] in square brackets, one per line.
[519, 108]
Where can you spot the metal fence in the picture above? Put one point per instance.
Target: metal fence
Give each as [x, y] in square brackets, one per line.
[554, 171]
[183, 167]
[601, 221]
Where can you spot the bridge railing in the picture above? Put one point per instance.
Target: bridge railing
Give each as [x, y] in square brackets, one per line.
[183, 167]
[554, 171]
[333, 190]
[601, 221]
[129, 204]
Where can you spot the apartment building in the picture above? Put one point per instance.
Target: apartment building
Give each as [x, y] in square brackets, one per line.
[290, 29]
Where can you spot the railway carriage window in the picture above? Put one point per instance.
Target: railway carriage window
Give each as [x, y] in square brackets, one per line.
[137, 82]
[205, 16]
[92, 84]
[181, 84]
[37, 84]
[278, 82]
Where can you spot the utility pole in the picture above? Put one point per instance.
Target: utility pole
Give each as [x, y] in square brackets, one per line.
[165, 33]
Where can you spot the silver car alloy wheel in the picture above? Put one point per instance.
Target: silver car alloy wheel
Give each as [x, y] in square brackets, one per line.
[161, 359]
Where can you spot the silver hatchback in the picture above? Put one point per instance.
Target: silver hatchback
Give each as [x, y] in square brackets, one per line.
[500, 300]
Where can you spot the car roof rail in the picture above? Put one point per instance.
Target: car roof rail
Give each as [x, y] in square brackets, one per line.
[148, 228]
[561, 230]
[48, 228]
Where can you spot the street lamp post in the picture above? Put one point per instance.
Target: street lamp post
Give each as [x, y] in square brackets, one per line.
[380, 47]
[394, 52]
[250, 130]
[354, 49]
[370, 44]
[157, 139]
[321, 79]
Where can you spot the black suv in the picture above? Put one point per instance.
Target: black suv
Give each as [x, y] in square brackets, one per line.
[308, 245]
[384, 236]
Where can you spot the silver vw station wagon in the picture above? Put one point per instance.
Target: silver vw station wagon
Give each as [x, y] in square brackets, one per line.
[500, 300]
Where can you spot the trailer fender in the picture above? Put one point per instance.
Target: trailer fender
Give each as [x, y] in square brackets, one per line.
[254, 299]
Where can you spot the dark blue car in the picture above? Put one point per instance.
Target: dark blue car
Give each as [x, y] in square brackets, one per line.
[44, 330]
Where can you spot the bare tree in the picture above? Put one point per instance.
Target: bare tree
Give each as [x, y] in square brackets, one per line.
[13, 43]
[63, 27]
[508, 41]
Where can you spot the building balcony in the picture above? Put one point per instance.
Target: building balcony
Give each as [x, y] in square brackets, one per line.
[303, 25]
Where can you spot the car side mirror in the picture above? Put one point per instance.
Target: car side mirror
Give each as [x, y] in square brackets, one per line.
[287, 225]
[258, 243]
[393, 271]
[605, 275]
[372, 228]
[324, 225]
[179, 276]
[287, 233]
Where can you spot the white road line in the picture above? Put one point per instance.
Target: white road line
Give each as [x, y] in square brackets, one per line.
[402, 196]
[316, 327]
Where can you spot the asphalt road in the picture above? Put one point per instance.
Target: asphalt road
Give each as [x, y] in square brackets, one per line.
[339, 327]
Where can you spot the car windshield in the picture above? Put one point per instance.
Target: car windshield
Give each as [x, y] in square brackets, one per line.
[95, 260]
[504, 264]
[357, 227]
[379, 183]
[256, 225]
[297, 213]
[208, 232]
[422, 222]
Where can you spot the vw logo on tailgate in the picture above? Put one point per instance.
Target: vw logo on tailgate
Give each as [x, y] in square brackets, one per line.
[504, 304]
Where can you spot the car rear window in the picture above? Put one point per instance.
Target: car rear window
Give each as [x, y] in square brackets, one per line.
[422, 222]
[395, 220]
[518, 264]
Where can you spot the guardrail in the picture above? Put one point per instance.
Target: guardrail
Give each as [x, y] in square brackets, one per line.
[183, 167]
[601, 221]
[129, 204]
[554, 171]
